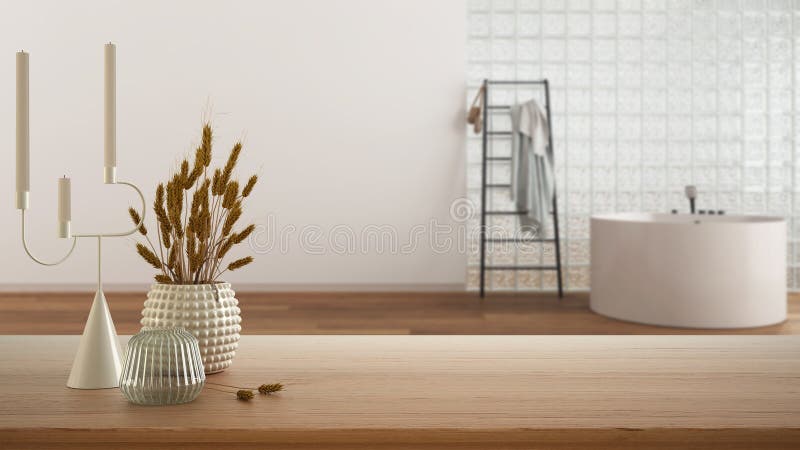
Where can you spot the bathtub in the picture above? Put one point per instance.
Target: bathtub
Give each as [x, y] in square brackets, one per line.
[694, 271]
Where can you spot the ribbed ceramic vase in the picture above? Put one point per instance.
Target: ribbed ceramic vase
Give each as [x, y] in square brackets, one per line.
[208, 311]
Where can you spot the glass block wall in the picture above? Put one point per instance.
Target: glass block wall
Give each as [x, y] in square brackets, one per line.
[647, 96]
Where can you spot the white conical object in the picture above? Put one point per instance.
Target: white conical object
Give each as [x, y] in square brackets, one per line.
[98, 363]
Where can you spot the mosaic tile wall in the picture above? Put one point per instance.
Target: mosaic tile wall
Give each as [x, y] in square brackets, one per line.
[647, 97]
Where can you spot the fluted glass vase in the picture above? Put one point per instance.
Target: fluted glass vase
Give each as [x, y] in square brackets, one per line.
[162, 366]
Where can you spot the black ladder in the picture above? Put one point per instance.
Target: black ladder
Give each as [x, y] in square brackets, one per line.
[486, 186]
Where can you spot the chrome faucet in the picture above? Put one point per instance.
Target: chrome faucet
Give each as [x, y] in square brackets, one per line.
[691, 194]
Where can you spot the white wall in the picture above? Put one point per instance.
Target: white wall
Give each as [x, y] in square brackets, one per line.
[351, 113]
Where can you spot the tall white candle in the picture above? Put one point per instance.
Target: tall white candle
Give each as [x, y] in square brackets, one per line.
[64, 207]
[110, 114]
[23, 132]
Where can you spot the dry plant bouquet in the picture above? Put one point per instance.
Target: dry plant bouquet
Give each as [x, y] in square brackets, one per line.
[196, 214]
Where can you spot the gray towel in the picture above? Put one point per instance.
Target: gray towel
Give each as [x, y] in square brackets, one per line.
[532, 177]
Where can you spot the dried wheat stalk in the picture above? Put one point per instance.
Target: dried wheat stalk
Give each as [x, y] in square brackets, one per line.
[196, 215]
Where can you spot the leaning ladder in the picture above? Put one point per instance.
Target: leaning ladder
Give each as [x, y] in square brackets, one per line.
[485, 186]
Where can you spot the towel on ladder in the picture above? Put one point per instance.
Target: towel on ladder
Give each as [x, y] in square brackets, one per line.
[532, 178]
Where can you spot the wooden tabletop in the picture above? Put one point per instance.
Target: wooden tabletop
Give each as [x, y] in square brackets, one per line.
[432, 391]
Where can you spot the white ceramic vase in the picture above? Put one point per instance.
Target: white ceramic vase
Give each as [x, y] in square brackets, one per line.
[209, 311]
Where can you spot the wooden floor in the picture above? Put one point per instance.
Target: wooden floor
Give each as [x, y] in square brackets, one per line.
[361, 313]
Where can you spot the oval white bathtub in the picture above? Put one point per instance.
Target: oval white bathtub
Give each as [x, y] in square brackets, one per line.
[695, 271]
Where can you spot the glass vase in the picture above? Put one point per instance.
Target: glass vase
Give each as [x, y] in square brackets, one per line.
[162, 366]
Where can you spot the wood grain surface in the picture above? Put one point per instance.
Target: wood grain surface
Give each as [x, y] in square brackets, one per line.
[361, 313]
[493, 392]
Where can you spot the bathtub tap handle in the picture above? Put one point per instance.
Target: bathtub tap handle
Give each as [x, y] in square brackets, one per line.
[691, 194]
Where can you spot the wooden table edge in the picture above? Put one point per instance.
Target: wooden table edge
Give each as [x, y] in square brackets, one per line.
[611, 438]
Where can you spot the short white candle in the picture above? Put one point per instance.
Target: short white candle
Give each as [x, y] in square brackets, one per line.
[23, 132]
[64, 207]
[110, 114]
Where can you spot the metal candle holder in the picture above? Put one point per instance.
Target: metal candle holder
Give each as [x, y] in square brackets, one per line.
[98, 362]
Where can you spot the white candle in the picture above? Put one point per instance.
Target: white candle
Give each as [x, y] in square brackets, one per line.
[110, 114]
[23, 132]
[64, 207]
